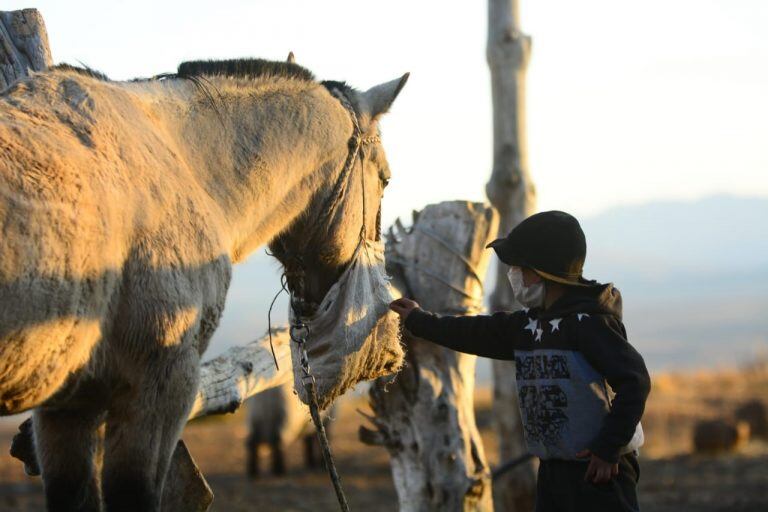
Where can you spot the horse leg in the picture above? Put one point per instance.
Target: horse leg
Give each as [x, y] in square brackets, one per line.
[66, 443]
[278, 457]
[143, 427]
[309, 452]
[252, 455]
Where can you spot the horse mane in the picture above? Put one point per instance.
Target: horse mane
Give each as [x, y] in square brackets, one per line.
[344, 87]
[193, 70]
[236, 68]
[244, 68]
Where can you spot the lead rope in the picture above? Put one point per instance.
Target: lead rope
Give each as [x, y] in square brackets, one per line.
[299, 331]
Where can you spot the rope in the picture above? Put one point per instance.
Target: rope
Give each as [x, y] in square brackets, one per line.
[314, 410]
[299, 332]
[283, 288]
[509, 465]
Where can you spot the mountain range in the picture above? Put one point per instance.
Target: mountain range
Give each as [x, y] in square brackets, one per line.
[693, 275]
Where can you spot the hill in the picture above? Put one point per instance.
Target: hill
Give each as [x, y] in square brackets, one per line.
[694, 276]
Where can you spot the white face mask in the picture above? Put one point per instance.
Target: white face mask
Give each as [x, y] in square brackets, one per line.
[529, 296]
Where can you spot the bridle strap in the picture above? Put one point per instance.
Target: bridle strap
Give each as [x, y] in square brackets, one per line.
[355, 146]
[333, 201]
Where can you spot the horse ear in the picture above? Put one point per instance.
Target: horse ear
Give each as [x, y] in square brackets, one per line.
[291, 58]
[378, 99]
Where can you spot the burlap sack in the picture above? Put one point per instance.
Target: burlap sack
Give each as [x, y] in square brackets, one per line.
[353, 336]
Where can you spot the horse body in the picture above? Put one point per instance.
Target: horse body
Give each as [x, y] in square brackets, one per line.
[98, 215]
[122, 209]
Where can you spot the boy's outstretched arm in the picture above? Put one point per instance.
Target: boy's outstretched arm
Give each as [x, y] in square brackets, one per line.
[483, 335]
[603, 341]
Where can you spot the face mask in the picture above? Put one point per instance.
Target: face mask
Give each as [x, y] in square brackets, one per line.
[529, 296]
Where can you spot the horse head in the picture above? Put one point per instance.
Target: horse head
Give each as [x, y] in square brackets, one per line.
[335, 242]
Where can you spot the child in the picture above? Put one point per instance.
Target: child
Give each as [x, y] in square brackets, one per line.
[567, 343]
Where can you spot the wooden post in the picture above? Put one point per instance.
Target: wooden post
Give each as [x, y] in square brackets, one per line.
[424, 416]
[23, 45]
[512, 192]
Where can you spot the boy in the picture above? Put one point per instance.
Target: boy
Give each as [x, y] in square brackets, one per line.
[567, 342]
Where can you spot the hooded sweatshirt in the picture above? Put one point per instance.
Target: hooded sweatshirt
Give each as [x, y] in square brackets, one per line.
[581, 385]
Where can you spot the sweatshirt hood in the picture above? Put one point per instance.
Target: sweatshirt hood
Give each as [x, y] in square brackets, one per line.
[601, 299]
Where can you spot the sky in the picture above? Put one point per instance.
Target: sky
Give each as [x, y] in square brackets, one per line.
[628, 102]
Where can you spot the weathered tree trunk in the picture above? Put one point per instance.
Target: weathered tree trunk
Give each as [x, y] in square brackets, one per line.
[23, 45]
[512, 192]
[425, 416]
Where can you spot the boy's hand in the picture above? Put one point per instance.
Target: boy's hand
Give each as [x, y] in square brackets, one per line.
[599, 471]
[403, 307]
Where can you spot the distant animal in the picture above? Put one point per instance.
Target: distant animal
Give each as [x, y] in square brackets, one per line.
[754, 413]
[719, 435]
[123, 206]
[277, 418]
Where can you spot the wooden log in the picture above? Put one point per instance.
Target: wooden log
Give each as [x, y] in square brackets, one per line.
[228, 380]
[425, 416]
[23, 45]
[511, 190]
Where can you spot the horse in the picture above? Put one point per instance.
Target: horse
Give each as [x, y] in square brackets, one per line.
[123, 206]
[277, 418]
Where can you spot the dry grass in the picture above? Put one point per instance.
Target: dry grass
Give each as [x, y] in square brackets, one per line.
[679, 400]
[669, 482]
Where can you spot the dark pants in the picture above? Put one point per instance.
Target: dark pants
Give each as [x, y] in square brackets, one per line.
[561, 487]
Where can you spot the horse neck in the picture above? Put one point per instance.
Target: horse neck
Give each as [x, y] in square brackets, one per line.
[262, 154]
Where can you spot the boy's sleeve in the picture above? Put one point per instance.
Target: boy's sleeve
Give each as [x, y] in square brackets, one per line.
[491, 336]
[603, 341]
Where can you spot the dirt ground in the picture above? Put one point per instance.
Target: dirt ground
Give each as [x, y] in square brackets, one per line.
[669, 481]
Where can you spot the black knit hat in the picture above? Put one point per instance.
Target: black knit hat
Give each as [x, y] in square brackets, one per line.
[550, 243]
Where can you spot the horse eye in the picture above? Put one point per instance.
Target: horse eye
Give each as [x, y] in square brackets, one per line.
[385, 182]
